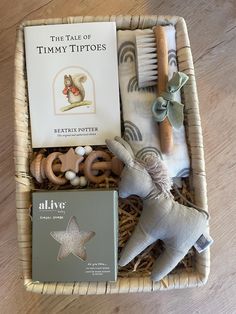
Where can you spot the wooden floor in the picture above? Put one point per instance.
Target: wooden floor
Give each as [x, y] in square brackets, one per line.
[212, 30]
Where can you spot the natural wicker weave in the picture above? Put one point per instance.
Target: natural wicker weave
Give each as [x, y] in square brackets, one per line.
[191, 277]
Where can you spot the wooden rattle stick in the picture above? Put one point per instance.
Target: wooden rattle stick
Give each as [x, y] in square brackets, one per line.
[99, 165]
[115, 165]
[165, 128]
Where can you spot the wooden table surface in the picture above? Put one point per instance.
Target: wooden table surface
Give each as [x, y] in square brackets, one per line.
[212, 31]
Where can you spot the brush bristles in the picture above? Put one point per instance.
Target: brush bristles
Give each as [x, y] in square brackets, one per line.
[146, 57]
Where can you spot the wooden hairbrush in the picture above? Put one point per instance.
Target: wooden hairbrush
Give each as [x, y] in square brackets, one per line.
[150, 48]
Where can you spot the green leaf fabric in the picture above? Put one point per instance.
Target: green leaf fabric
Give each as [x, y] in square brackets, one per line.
[165, 105]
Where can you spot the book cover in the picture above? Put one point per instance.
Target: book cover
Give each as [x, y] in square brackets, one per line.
[72, 76]
[75, 235]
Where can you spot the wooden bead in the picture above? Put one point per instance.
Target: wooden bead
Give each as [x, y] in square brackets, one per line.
[83, 181]
[75, 181]
[35, 168]
[88, 150]
[70, 175]
[80, 151]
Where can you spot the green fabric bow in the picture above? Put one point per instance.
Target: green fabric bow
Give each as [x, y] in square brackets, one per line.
[166, 106]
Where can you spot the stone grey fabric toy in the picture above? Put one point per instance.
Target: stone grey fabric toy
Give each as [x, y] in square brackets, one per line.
[162, 218]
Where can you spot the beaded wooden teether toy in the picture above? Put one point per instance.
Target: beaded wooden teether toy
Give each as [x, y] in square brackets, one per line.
[71, 163]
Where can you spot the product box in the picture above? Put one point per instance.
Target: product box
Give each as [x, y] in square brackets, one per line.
[75, 236]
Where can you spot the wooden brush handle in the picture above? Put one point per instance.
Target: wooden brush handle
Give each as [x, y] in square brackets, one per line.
[165, 128]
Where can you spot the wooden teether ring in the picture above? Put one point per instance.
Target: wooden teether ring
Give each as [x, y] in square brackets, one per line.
[35, 168]
[42, 166]
[116, 166]
[88, 166]
[49, 171]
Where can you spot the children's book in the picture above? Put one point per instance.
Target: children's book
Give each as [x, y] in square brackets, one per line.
[72, 77]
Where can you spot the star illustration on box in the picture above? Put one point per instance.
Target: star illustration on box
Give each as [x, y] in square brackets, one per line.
[74, 91]
[72, 240]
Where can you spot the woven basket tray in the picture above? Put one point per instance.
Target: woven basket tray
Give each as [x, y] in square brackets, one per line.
[193, 276]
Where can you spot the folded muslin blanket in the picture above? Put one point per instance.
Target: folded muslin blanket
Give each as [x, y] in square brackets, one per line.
[140, 129]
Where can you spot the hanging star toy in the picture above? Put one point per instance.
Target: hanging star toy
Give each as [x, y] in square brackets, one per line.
[72, 240]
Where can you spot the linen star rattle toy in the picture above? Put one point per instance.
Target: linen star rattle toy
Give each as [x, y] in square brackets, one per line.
[72, 240]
